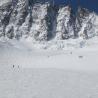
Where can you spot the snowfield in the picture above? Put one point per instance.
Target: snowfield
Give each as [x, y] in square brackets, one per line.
[27, 71]
[47, 83]
[72, 56]
[47, 51]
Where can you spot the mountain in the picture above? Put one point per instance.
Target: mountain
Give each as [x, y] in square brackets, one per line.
[42, 21]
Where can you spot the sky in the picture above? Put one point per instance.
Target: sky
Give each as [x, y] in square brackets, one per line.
[90, 4]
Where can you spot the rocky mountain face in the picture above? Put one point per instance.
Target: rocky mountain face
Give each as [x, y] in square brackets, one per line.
[42, 21]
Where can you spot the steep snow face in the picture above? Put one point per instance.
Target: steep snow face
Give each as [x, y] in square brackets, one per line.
[27, 20]
[88, 23]
[39, 29]
[41, 21]
[17, 18]
[13, 15]
[4, 16]
[64, 29]
[3, 2]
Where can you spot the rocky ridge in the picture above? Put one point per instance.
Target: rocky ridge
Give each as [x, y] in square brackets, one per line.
[43, 21]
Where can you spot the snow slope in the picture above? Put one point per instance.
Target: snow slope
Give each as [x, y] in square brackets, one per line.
[47, 83]
[3, 2]
[38, 74]
[31, 66]
[28, 72]
[26, 55]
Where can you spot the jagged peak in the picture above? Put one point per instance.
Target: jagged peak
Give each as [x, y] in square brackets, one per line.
[45, 20]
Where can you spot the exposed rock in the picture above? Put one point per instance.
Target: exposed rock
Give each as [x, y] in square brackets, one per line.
[43, 21]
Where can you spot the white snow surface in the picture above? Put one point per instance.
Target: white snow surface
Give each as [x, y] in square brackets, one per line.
[28, 72]
[72, 54]
[48, 69]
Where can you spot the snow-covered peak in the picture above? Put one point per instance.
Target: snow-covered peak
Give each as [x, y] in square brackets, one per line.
[63, 23]
[44, 21]
[4, 2]
[88, 23]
